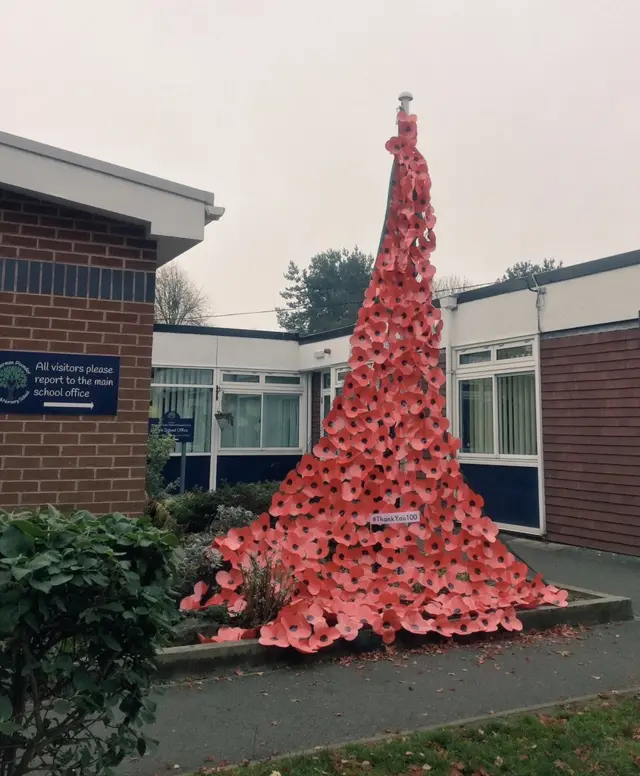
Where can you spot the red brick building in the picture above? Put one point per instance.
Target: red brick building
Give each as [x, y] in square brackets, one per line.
[80, 241]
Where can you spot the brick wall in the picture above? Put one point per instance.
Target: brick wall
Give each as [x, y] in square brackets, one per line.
[72, 282]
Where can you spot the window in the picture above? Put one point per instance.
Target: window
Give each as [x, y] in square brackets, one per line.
[188, 392]
[240, 378]
[166, 375]
[514, 351]
[282, 379]
[497, 400]
[517, 414]
[476, 415]
[475, 358]
[332, 384]
[261, 420]
[247, 418]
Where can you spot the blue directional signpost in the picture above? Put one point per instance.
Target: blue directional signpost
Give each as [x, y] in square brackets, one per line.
[58, 383]
[182, 430]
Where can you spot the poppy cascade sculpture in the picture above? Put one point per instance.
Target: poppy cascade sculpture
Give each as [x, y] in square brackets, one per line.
[377, 527]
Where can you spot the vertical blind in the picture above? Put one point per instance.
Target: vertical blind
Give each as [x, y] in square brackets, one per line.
[517, 414]
[476, 415]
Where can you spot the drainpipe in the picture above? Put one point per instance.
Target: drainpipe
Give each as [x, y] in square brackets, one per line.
[448, 305]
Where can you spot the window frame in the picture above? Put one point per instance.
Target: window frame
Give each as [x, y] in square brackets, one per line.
[493, 369]
[261, 388]
[335, 383]
[210, 386]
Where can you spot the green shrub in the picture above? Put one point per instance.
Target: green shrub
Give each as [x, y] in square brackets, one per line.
[195, 511]
[84, 604]
[159, 449]
[254, 496]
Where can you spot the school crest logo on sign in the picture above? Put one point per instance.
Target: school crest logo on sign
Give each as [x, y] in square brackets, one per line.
[14, 379]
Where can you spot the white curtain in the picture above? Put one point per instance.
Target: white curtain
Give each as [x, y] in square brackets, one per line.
[517, 414]
[247, 417]
[281, 420]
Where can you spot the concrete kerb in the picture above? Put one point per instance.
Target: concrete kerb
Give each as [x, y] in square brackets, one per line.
[207, 659]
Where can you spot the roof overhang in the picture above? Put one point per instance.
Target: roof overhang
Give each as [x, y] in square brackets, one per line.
[174, 215]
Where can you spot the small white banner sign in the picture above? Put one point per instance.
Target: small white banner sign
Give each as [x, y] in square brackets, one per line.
[395, 517]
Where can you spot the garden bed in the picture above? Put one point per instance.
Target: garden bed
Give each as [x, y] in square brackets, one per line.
[585, 607]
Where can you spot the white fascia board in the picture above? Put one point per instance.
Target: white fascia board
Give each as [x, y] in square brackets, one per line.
[173, 214]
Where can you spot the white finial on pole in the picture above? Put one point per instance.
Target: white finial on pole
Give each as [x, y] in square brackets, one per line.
[405, 101]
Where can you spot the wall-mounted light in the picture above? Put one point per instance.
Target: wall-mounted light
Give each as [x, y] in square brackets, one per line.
[224, 419]
[321, 353]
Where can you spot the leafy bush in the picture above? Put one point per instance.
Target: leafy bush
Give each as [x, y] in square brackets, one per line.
[195, 511]
[84, 604]
[159, 449]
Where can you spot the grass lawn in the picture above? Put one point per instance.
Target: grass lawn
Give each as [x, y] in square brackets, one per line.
[602, 737]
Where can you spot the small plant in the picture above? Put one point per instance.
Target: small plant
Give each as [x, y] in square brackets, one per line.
[198, 561]
[231, 517]
[159, 449]
[84, 604]
[267, 588]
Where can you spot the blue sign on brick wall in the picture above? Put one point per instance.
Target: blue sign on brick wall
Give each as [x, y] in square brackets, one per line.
[58, 383]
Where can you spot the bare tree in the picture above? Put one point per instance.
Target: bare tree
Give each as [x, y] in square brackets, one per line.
[449, 285]
[178, 299]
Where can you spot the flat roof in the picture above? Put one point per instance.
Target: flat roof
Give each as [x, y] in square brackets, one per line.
[586, 268]
[87, 162]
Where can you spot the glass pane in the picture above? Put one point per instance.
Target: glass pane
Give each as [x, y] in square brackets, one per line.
[281, 420]
[517, 414]
[341, 374]
[475, 358]
[476, 415]
[247, 413]
[181, 376]
[338, 390]
[326, 380]
[326, 409]
[282, 379]
[193, 403]
[240, 378]
[514, 351]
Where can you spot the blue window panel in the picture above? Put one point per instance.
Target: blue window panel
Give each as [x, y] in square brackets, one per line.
[510, 493]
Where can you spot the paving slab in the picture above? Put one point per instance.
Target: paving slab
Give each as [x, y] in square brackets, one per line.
[261, 714]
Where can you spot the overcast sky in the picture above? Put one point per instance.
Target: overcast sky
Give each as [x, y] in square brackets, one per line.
[528, 116]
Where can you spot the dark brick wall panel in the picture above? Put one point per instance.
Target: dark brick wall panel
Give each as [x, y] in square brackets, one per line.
[591, 439]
